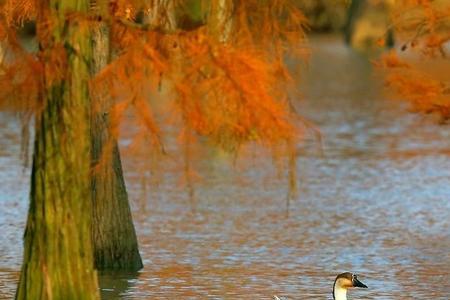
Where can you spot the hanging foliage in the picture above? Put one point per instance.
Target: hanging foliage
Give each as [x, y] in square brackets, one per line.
[232, 90]
[418, 71]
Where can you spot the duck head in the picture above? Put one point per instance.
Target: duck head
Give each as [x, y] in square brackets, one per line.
[344, 282]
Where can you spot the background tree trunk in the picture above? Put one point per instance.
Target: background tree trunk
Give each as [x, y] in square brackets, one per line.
[220, 19]
[114, 238]
[58, 260]
[368, 23]
[161, 13]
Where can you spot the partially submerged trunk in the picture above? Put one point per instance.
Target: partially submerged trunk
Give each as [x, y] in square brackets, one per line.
[113, 235]
[58, 260]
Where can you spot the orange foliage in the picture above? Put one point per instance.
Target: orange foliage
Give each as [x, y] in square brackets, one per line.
[15, 12]
[19, 70]
[427, 94]
[234, 99]
[270, 25]
[425, 25]
[232, 91]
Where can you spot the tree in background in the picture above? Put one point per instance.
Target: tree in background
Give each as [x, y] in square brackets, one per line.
[367, 25]
[419, 72]
[228, 85]
[325, 15]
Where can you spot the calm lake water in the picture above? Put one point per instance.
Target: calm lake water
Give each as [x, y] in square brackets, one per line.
[374, 198]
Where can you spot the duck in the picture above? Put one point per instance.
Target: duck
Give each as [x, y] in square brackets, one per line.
[342, 283]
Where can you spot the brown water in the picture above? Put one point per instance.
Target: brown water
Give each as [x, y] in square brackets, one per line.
[374, 201]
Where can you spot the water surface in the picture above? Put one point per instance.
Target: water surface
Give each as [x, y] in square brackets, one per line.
[373, 199]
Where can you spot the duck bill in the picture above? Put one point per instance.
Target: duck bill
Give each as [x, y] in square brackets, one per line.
[357, 283]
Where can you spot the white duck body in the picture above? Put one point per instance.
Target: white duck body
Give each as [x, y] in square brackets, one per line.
[342, 283]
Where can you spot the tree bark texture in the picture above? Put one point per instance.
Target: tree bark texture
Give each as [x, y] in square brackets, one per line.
[58, 261]
[161, 13]
[220, 19]
[113, 235]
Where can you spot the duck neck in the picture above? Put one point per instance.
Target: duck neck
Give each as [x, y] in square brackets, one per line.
[339, 293]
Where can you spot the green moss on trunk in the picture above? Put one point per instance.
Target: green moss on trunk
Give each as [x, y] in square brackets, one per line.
[58, 260]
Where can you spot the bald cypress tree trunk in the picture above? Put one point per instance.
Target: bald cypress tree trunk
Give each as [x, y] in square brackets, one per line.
[161, 14]
[58, 260]
[220, 19]
[113, 235]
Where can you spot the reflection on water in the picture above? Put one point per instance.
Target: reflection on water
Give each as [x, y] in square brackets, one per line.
[114, 285]
[374, 201]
